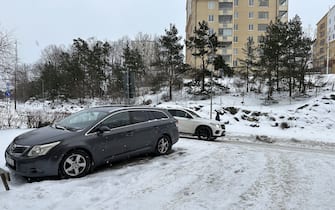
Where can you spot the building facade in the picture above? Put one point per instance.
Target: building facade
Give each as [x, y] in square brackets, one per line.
[324, 46]
[320, 48]
[233, 21]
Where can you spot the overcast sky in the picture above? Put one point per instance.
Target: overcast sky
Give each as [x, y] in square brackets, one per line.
[39, 23]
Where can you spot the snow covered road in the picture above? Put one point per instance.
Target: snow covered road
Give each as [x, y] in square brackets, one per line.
[196, 175]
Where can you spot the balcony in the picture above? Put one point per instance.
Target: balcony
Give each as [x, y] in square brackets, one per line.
[226, 44]
[225, 38]
[283, 8]
[226, 11]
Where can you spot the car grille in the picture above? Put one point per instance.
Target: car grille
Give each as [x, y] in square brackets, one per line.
[17, 149]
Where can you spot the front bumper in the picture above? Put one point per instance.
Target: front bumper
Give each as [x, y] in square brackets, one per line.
[32, 167]
[219, 132]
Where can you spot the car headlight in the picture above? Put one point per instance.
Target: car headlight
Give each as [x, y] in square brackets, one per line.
[39, 150]
[216, 125]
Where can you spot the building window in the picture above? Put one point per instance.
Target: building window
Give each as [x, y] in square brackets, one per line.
[211, 5]
[260, 39]
[251, 27]
[262, 27]
[283, 2]
[235, 63]
[322, 34]
[282, 13]
[227, 58]
[210, 18]
[235, 15]
[227, 32]
[263, 3]
[235, 38]
[235, 51]
[263, 15]
[220, 31]
[235, 3]
[322, 50]
[322, 42]
[322, 26]
[226, 6]
[225, 19]
[251, 15]
[211, 31]
[251, 3]
[235, 27]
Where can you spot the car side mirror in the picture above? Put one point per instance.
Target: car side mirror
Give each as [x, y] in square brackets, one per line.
[103, 129]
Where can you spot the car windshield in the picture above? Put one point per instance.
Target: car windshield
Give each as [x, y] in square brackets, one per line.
[193, 113]
[80, 120]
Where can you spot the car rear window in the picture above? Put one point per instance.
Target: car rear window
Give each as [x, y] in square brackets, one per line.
[138, 116]
[157, 115]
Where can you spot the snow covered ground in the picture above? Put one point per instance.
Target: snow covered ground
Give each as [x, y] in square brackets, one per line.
[259, 164]
[196, 175]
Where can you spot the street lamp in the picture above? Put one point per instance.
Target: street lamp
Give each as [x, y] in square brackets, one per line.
[212, 56]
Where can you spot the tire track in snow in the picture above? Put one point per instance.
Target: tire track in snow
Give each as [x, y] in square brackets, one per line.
[326, 151]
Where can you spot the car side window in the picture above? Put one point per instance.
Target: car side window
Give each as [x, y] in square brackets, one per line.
[117, 120]
[138, 116]
[180, 113]
[172, 112]
[157, 115]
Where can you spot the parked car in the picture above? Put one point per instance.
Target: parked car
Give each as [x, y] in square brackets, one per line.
[77, 144]
[190, 123]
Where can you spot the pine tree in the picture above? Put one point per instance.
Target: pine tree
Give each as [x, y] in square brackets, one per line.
[171, 56]
[203, 45]
[250, 60]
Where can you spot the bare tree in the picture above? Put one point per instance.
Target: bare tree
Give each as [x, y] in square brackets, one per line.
[7, 48]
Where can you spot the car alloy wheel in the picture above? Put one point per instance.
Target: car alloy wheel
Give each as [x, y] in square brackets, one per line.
[75, 164]
[163, 145]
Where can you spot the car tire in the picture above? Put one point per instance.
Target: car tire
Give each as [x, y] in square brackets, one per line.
[204, 133]
[163, 145]
[75, 164]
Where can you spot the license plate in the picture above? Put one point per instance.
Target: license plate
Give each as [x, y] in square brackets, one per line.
[10, 161]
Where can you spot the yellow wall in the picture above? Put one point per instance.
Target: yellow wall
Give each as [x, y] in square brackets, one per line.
[200, 12]
[320, 46]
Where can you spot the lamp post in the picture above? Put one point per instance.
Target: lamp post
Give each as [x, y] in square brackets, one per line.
[211, 80]
[15, 75]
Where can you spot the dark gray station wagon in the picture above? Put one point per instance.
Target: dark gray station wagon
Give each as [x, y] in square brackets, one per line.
[89, 138]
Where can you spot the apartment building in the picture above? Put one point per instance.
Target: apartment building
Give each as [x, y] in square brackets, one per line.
[233, 21]
[320, 48]
[324, 46]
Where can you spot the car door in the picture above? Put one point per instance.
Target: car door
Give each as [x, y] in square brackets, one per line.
[185, 123]
[119, 137]
[144, 131]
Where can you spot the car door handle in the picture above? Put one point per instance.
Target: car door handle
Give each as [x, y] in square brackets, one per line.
[130, 133]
